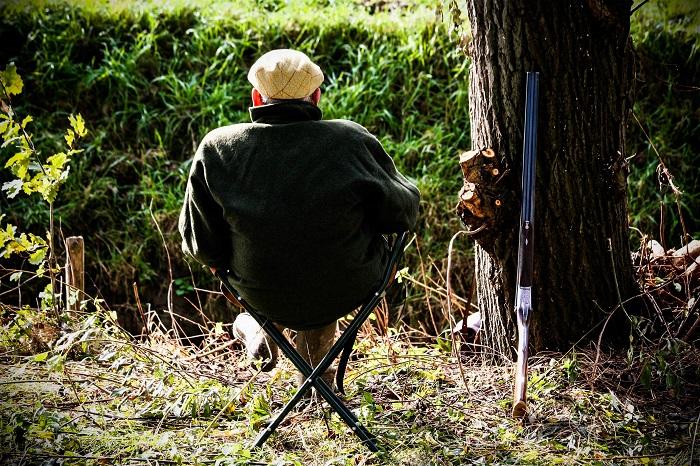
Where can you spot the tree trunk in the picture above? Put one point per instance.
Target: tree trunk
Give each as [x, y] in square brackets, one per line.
[582, 268]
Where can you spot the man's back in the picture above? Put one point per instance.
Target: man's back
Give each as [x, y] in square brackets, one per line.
[295, 207]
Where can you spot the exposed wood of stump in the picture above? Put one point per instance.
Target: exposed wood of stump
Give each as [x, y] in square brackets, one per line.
[479, 198]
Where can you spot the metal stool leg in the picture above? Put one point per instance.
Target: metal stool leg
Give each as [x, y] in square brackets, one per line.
[313, 375]
[313, 379]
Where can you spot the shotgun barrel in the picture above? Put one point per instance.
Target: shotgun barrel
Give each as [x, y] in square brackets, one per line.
[523, 295]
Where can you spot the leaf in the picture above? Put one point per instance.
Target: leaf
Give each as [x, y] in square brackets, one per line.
[10, 136]
[37, 240]
[31, 186]
[56, 363]
[16, 276]
[69, 137]
[19, 163]
[49, 191]
[28, 119]
[11, 80]
[41, 357]
[18, 158]
[37, 257]
[645, 376]
[12, 187]
[78, 124]
[57, 161]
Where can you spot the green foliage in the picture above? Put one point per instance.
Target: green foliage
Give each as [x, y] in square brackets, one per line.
[571, 367]
[12, 243]
[11, 82]
[33, 174]
[100, 396]
[153, 83]
[659, 363]
[16, 334]
[154, 77]
[666, 124]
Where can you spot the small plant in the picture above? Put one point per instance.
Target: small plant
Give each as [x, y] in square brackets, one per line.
[571, 367]
[183, 285]
[32, 174]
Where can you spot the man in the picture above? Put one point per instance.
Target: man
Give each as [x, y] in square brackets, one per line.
[294, 207]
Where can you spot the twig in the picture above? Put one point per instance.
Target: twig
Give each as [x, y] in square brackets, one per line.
[173, 324]
[619, 305]
[10, 382]
[692, 445]
[119, 459]
[638, 7]
[427, 295]
[235, 397]
[438, 291]
[140, 308]
[216, 349]
[455, 347]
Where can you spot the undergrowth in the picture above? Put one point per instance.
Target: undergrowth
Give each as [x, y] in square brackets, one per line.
[90, 394]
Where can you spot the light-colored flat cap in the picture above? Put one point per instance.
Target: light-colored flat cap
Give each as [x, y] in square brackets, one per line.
[285, 74]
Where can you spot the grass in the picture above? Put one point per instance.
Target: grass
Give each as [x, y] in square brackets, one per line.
[101, 397]
[151, 83]
[89, 393]
[666, 122]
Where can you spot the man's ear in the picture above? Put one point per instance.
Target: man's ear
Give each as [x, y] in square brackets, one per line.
[257, 98]
[316, 96]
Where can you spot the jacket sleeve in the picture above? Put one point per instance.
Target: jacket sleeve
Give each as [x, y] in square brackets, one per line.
[205, 232]
[392, 205]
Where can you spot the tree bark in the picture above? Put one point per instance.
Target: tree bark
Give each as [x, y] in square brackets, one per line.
[582, 268]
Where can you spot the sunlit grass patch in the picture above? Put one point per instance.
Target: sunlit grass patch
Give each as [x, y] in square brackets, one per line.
[125, 400]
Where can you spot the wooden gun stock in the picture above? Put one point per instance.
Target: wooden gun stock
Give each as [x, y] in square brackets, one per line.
[520, 393]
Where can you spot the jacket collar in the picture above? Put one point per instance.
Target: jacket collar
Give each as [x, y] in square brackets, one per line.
[291, 111]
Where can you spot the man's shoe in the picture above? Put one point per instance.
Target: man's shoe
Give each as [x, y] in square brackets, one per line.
[259, 346]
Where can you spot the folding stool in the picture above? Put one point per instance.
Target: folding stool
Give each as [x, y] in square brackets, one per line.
[344, 343]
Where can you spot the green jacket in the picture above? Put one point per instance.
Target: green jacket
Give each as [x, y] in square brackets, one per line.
[295, 208]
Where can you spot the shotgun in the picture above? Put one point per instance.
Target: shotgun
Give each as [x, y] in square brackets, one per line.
[523, 295]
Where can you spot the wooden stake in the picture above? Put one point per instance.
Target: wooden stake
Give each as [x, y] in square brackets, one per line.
[75, 272]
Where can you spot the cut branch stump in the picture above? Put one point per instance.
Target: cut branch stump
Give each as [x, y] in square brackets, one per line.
[480, 197]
